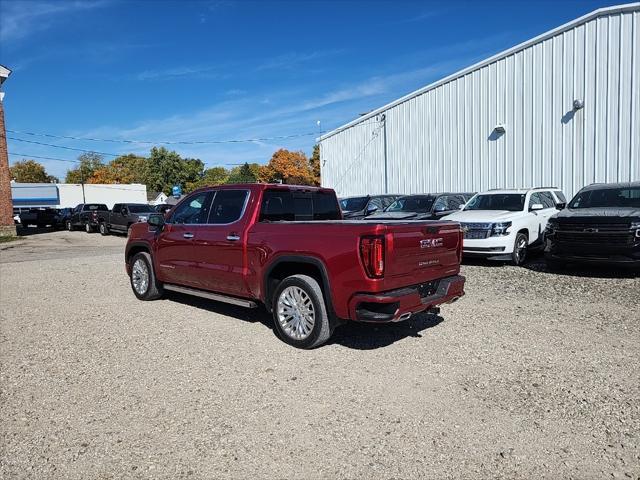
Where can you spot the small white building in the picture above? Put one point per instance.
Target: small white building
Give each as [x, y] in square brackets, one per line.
[68, 195]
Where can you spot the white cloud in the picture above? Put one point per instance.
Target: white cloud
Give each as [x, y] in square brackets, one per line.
[19, 19]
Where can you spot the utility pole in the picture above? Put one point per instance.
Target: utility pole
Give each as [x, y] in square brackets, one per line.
[7, 226]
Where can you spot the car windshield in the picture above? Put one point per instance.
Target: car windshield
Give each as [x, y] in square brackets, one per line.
[353, 204]
[607, 197]
[413, 203]
[140, 208]
[512, 202]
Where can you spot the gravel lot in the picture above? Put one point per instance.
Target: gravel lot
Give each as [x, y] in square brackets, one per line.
[530, 375]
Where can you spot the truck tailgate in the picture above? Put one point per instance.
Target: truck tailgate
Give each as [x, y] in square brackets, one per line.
[421, 251]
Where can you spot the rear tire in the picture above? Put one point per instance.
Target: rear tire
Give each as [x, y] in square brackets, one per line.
[104, 230]
[519, 254]
[143, 279]
[299, 312]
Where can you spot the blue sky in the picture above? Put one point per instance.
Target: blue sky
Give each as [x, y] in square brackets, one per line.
[219, 70]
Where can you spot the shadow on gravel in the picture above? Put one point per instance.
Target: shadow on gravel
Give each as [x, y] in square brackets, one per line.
[537, 263]
[359, 336]
[29, 231]
[367, 336]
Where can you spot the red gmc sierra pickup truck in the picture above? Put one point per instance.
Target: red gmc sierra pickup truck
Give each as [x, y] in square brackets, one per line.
[288, 248]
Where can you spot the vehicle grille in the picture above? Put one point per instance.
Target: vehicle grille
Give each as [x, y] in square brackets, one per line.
[601, 227]
[476, 230]
[600, 237]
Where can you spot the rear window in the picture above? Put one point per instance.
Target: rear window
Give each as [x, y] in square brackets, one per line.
[140, 208]
[289, 206]
[95, 206]
[607, 197]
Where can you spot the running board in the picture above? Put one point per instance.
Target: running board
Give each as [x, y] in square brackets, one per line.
[211, 296]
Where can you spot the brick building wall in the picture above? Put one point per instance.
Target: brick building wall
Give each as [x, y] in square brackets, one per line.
[7, 226]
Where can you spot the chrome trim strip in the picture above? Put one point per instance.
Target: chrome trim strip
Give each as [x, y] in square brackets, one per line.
[211, 296]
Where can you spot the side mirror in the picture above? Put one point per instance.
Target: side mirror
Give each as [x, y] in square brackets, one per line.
[561, 206]
[156, 221]
[123, 211]
[461, 207]
[536, 206]
[371, 209]
[440, 209]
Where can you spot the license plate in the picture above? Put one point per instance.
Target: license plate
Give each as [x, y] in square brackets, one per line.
[475, 235]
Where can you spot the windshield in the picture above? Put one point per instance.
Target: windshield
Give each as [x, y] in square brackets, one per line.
[140, 208]
[353, 204]
[607, 197]
[417, 204]
[512, 202]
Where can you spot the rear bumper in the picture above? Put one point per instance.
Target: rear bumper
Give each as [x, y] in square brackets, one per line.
[398, 305]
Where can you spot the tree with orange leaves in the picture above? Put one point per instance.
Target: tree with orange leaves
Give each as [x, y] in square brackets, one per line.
[288, 167]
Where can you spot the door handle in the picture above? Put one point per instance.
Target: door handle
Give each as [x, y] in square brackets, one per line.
[187, 235]
[233, 237]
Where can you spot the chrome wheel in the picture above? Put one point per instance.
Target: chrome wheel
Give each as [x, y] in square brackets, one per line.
[296, 313]
[103, 229]
[521, 249]
[69, 226]
[140, 276]
[87, 228]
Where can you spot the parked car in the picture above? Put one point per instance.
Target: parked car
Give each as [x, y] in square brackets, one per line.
[87, 216]
[61, 217]
[361, 207]
[431, 206]
[600, 225]
[504, 224]
[39, 216]
[287, 248]
[123, 216]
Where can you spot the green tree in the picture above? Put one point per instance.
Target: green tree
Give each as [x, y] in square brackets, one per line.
[246, 173]
[88, 164]
[30, 171]
[167, 168]
[128, 168]
[212, 176]
[314, 163]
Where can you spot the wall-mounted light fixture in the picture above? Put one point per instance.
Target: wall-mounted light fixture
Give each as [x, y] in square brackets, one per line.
[500, 128]
[578, 104]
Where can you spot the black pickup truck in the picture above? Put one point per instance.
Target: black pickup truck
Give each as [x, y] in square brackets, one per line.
[600, 225]
[123, 216]
[87, 216]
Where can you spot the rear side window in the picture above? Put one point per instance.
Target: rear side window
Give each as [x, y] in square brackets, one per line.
[227, 206]
[289, 206]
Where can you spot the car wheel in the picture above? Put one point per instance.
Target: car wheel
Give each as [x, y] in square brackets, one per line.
[88, 228]
[299, 312]
[519, 249]
[104, 230]
[69, 226]
[144, 284]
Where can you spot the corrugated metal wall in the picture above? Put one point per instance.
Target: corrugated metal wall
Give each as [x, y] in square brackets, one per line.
[443, 138]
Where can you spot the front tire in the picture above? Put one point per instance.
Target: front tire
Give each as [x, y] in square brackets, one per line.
[300, 313]
[144, 284]
[88, 228]
[70, 227]
[104, 230]
[520, 246]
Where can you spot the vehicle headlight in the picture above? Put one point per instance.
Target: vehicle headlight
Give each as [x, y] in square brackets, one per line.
[143, 218]
[636, 226]
[551, 228]
[498, 229]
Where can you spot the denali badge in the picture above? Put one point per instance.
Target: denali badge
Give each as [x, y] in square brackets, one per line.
[591, 230]
[428, 262]
[431, 243]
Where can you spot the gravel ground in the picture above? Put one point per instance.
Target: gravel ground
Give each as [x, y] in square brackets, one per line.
[530, 375]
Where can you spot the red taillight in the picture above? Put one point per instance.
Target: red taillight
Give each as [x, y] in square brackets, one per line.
[372, 254]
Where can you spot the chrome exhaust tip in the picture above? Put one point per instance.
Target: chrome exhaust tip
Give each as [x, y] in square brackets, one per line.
[404, 316]
[454, 300]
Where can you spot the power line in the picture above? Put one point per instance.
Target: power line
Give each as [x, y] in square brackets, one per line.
[43, 158]
[63, 147]
[176, 142]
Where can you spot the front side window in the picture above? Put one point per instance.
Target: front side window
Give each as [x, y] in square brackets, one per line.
[194, 210]
[607, 197]
[511, 202]
[227, 206]
[547, 200]
[440, 205]
[353, 204]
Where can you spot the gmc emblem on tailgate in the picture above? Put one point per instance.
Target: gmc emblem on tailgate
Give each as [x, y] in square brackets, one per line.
[431, 243]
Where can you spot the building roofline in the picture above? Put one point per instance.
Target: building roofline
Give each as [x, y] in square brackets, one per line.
[628, 7]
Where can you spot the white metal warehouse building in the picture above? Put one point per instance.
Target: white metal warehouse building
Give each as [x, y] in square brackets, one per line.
[562, 109]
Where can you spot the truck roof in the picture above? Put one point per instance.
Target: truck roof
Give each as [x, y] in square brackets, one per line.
[257, 187]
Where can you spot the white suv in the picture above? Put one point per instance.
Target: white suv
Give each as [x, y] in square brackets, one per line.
[503, 224]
